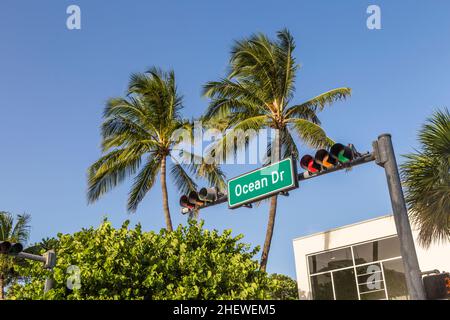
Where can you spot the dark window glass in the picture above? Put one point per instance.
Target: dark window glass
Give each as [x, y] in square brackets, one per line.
[345, 285]
[331, 260]
[322, 288]
[395, 280]
[377, 295]
[377, 250]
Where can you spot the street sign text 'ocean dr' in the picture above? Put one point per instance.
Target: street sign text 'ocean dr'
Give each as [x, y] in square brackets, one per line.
[262, 183]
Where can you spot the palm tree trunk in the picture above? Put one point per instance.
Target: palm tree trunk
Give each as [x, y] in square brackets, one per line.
[164, 195]
[272, 210]
[2, 288]
[269, 232]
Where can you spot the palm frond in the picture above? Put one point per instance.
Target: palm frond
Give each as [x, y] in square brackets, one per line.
[253, 59]
[6, 225]
[288, 147]
[130, 108]
[287, 61]
[143, 182]
[21, 231]
[311, 134]
[239, 135]
[204, 168]
[121, 125]
[319, 102]
[181, 178]
[15, 232]
[112, 169]
[426, 179]
[435, 134]
[158, 89]
[303, 112]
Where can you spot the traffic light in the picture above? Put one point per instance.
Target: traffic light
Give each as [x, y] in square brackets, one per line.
[323, 159]
[341, 153]
[190, 202]
[307, 162]
[199, 199]
[195, 199]
[437, 286]
[184, 203]
[7, 247]
[208, 194]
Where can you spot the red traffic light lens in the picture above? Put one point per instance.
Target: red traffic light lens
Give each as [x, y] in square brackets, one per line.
[184, 202]
[307, 163]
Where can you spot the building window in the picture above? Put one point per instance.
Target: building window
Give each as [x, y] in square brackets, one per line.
[322, 287]
[345, 285]
[377, 250]
[330, 260]
[395, 279]
[369, 271]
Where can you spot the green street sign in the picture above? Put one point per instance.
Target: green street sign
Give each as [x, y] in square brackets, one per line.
[262, 183]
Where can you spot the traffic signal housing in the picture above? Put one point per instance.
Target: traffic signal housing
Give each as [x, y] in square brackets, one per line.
[10, 248]
[437, 286]
[208, 194]
[195, 199]
[324, 160]
[184, 203]
[341, 153]
[190, 202]
[307, 162]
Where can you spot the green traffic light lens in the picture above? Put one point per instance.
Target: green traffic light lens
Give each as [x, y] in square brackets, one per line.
[342, 158]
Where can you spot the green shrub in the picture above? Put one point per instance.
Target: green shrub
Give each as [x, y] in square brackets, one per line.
[188, 263]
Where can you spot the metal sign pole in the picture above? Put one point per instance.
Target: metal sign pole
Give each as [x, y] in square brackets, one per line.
[49, 260]
[386, 158]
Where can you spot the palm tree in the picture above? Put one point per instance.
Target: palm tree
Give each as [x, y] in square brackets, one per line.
[18, 232]
[257, 94]
[426, 177]
[138, 138]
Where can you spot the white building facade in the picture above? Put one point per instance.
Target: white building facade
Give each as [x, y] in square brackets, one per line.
[361, 261]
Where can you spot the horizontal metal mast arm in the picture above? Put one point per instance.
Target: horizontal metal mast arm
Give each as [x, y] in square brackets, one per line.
[31, 257]
[362, 160]
[369, 157]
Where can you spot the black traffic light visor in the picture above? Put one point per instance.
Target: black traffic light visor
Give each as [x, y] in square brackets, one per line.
[5, 246]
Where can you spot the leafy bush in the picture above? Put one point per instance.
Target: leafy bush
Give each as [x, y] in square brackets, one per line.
[188, 263]
[284, 288]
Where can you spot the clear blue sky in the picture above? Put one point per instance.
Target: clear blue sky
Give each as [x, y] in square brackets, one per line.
[54, 83]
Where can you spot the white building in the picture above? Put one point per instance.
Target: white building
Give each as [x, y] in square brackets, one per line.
[359, 261]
